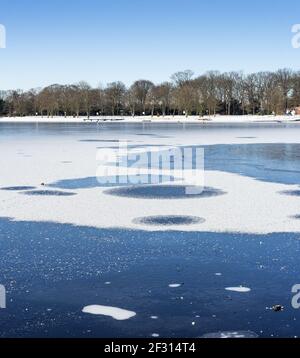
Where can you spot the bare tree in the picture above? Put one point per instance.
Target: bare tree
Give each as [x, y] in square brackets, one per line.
[163, 93]
[181, 78]
[115, 93]
[140, 90]
[86, 97]
[131, 101]
[285, 77]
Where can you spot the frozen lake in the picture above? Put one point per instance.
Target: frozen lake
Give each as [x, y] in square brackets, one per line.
[80, 258]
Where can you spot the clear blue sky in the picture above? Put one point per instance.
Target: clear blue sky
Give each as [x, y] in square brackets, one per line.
[65, 41]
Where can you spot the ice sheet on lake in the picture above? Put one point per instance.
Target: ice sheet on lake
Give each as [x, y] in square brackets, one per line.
[245, 208]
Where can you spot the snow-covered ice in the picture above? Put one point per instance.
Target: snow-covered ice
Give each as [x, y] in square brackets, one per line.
[248, 206]
[154, 119]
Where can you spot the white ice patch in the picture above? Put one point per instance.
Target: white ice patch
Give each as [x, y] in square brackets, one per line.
[230, 335]
[240, 289]
[117, 313]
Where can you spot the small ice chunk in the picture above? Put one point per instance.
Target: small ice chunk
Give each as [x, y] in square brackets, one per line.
[117, 313]
[240, 289]
[175, 285]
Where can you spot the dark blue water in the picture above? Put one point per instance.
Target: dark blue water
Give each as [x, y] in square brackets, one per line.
[51, 271]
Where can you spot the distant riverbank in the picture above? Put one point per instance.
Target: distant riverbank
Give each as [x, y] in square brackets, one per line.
[147, 119]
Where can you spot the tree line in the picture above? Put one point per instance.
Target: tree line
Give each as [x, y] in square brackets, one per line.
[230, 93]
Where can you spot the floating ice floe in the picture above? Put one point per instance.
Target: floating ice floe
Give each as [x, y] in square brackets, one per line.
[240, 289]
[155, 335]
[234, 334]
[175, 285]
[116, 313]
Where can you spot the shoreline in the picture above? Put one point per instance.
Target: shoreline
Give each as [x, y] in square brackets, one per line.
[153, 120]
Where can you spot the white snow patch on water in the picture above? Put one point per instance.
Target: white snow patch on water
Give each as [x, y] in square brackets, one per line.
[117, 313]
[240, 289]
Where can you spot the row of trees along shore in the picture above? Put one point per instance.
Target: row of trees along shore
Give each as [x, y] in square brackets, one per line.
[231, 93]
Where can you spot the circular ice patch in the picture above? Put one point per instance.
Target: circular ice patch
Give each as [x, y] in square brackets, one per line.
[48, 193]
[169, 220]
[18, 188]
[161, 192]
[230, 335]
